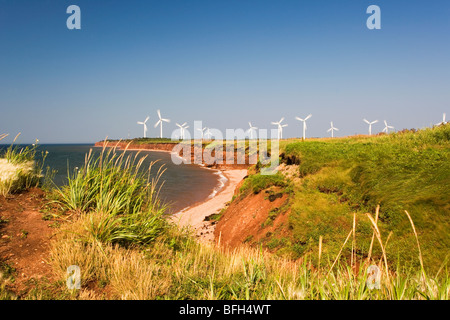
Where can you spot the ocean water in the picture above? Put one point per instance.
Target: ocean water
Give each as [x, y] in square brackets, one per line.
[184, 185]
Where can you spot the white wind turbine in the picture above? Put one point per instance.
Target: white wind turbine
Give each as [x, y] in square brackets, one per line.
[443, 120]
[251, 130]
[386, 127]
[160, 122]
[145, 125]
[208, 133]
[182, 128]
[370, 125]
[202, 131]
[280, 128]
[304, 124]
[332, 128]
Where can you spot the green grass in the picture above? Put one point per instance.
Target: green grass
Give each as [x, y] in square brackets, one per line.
[175, 266]
[255, 183]
[400, 171]
[120, 197]
[113, 204]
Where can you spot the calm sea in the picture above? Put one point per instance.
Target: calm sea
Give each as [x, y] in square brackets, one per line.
[184, 185]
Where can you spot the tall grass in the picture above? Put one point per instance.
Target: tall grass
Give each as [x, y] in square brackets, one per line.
[174, 266]
[19, 169]
[177, 267]
[119, 196]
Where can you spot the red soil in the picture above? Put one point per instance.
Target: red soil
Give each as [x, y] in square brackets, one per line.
[24, 238]
[243, 220]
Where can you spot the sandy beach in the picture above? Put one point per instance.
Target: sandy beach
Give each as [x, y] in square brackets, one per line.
[194, 216]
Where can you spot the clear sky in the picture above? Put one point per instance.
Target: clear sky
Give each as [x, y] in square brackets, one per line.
[222, 62]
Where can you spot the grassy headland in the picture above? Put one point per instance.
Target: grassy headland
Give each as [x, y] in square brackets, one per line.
[116, 230]
[331, 181]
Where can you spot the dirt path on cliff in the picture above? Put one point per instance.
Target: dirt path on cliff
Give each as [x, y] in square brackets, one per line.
[24, 239]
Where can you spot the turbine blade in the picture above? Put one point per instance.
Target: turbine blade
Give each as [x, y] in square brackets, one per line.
[366, 121]
[146, 119]
[157, 123]
[139, 122]
[309, 116]
[299, 119]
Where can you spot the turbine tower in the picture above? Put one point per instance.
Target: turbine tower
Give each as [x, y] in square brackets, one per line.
[304, 124]
[202, 131]
[160, 122]
[251, 130]
[370, 125]
[145, 125]
[386, 127]
[182, 128]
[332, 128]
[208, 133]
[443, 120]
[280, 128]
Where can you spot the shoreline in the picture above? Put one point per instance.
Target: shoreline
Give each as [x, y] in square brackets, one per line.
[194, 216]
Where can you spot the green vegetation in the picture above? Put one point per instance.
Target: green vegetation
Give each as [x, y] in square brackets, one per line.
[18, 168]
[120, 198]
[400, 171]
[257, 182]
[118, 235]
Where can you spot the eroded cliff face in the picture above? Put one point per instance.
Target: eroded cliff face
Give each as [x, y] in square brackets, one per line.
[253, 219]
[131, 146]
[208, 158]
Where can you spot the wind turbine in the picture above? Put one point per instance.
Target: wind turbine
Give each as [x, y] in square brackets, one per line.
[145, 125]
[332, 129]
[251, 130]
[182, 128]
[202, 131]
[160, 122]
[304, 124]
[370, 125]
[280, 128]
[386, 128]
[208, 133]
[443, 120]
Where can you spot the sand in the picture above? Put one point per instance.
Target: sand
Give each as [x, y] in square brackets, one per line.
[194, 216]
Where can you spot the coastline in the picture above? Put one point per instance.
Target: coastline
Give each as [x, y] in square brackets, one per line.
[194, 216]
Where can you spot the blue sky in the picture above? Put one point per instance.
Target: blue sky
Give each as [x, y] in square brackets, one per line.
[222, 62]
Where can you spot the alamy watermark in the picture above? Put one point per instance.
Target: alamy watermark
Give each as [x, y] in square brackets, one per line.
[373, 277]
[74, 20]
[74, 279]
[235, 147]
